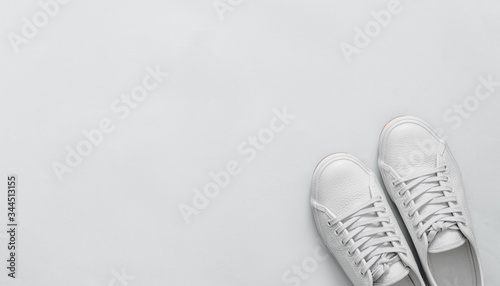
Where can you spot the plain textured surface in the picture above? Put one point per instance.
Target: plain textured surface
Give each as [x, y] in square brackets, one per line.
[120, 207]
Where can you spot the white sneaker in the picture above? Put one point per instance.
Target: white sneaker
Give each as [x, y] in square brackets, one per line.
[357, 225]
[423, 180]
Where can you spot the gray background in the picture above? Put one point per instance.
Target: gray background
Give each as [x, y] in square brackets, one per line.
[118, 211]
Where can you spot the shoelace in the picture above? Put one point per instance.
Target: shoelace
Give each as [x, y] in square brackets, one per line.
[440, 216]
[374, 245]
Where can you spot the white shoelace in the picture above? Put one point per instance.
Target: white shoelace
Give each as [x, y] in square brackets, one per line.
[441, 210]
[373, 246]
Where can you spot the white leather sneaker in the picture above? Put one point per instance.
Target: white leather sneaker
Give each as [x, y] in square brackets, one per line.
[423, 180]
[357, 225]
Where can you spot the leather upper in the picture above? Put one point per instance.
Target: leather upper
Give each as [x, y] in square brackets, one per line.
[340, 183]
[407, 146]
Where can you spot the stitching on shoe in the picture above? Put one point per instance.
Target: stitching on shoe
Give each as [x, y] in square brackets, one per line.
[469, 254]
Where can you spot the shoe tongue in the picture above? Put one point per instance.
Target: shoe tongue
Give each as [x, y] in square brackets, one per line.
[446, 240]
[397, 271]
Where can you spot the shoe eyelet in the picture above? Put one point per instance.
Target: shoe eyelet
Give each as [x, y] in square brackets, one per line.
[363, 274]
[409, 215]
[447, 179]
[445, 168]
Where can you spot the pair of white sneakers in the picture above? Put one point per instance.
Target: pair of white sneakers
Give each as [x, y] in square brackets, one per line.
[423, 180]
